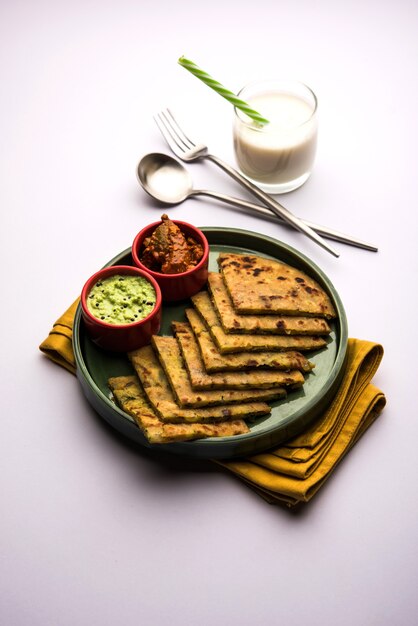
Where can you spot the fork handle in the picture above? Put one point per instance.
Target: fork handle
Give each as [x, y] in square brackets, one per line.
[265, 212]
[277, 208]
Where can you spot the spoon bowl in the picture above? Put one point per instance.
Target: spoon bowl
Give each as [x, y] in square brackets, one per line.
[164, 178]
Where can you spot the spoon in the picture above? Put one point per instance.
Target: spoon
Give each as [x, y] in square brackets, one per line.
[167, 180]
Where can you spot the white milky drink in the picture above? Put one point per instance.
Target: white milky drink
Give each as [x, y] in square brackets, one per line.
[277, 156]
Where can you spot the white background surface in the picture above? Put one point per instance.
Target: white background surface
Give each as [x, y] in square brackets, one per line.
[92, 530]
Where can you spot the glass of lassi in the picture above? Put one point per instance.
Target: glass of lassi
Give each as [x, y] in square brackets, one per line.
[278, 156]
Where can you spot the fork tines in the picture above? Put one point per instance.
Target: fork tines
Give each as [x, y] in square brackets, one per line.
[172, 133]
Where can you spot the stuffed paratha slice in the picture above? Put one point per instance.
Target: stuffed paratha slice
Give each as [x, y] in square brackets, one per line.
[169, 355]
[160, 396]
[246, 342]
[215, 361]
[234, 322]
[244, 379]
[131, 398]
[260, 285]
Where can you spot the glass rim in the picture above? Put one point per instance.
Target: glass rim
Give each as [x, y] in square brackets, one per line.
[249, 123]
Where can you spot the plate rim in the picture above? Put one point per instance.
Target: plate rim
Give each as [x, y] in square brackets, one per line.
[212, 444]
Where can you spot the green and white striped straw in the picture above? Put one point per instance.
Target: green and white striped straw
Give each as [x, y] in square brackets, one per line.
[220, 89]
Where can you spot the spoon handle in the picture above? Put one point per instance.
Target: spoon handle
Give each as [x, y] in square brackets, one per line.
[261, 211]
[274, 206]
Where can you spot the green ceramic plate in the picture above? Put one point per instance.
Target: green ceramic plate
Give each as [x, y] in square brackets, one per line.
[288, 417]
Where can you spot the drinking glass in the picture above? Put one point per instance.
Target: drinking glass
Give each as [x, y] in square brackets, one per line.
[278, 156]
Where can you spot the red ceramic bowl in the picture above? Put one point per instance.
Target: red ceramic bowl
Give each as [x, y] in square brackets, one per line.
[122, 337]
[176, 287]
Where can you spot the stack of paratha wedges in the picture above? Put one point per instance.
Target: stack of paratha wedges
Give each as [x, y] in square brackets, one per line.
[242, 345]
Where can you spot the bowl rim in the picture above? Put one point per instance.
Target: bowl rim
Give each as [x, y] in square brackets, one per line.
[180, 223]
[113, 270]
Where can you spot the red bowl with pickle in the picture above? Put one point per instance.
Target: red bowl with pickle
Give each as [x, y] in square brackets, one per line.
[175, 254]
[121, 308]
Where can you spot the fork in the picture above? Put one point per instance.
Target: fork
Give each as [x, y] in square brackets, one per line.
[186, 150]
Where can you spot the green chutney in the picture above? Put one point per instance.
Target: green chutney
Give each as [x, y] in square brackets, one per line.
[121, 299]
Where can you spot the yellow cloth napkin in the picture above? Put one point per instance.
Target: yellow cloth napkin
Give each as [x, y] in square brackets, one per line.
[58, 345]
[294, 472]
[291, 473]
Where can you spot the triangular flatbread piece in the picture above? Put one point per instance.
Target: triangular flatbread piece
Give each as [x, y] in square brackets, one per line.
[233, 322]
[248, 342]
[131, 398]
[169, 355]
[215, 361]
[244, 379]
[260, 285]
[160, 396]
